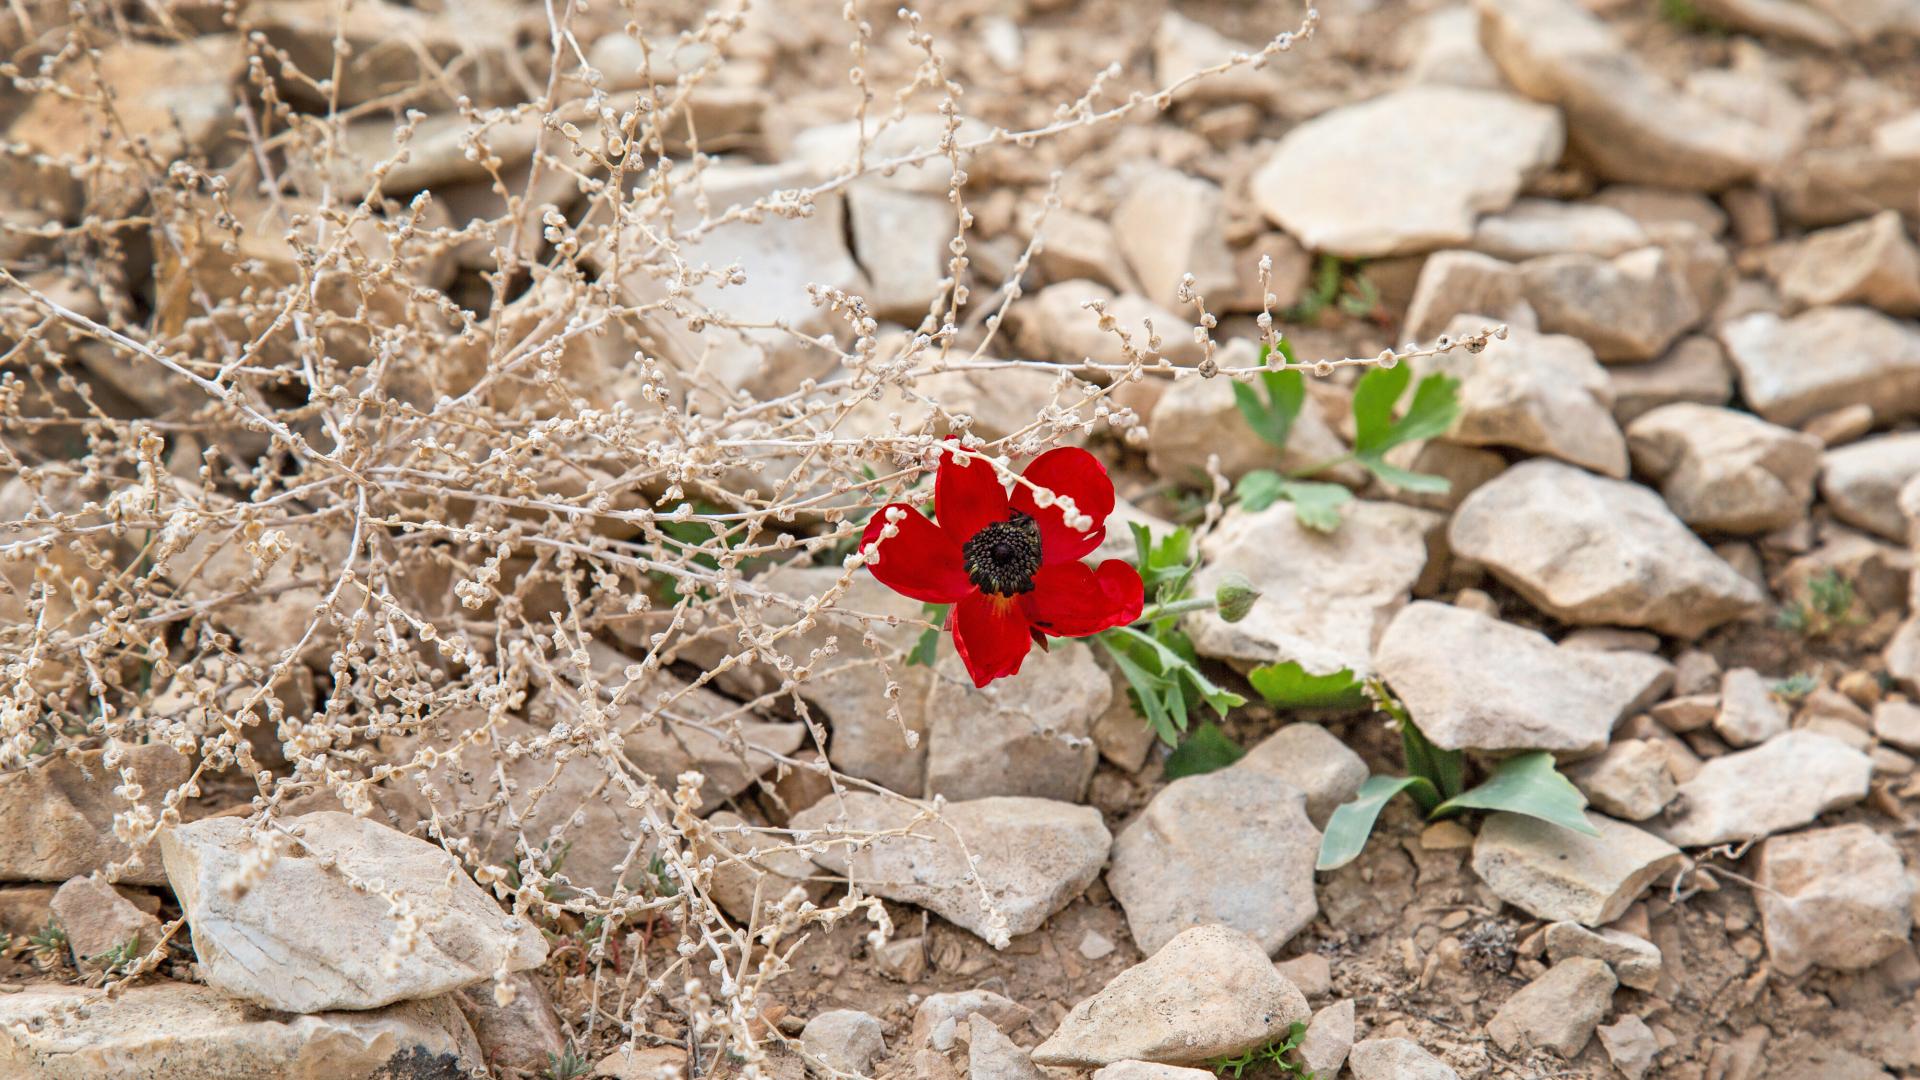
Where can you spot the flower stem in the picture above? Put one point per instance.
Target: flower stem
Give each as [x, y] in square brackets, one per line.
[1154, 612]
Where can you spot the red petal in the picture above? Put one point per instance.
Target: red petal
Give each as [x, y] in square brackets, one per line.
[921, 561]
[1072, 472]
[1071, 600]
[967, 495]
[1122, 584]
[991, 635]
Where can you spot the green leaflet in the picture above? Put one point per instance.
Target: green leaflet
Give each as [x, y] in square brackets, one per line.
[1527, 784]
[1204, 751]
[1290, 686]
[1352, 821]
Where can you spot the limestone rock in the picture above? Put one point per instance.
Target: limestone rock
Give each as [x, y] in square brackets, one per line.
[1532, 228]
[1147, 1070]
[523, 1033]
[56, 819]
[1324, 603]
[1862, 482]
[98, 921]
[1444, 47]
[1030, 735]
[1836, 898]
[1324, 183]
[1898, 723]
[1781, 784]
[937, 1020]
[1869, 262]
[1748, 714]
[1208, 993]
[1630, 1045]
[1833, 185]
[173, 101]
[1628, 308]
[1558, 874]
[1694, 370]
[649, 1063]
[1541, 393]
[183, 1031]
[1076, 245]
[1558, 1010]
[1057, 325]
[1628, 780]
[1621, 117]
[1329, 1039]
[1313, 760]
[1866, 359]
[300, 938]
[1182, 46]
[1457, 283]
[827, 149]
[900, 240]
[993, 1056]
[1540, 696]
[1725, 471]
[1396, 1059]
[1636, 961]
[390, 49]
[1233, 847]
[1035, 855]
[846, 1039]
[782, 257]
[1595, 551]
[1168, 225]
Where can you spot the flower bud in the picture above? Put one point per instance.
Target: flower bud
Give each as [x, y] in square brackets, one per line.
[1235, 597]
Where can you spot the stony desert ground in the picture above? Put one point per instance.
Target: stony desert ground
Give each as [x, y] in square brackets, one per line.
[466, 609]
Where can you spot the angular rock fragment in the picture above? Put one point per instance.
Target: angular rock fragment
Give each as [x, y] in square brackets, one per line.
[1208, 993]
[1035, 855]
[1783, 783]
[1595, 551]
[1233, 848]
[1834, 898]
[299, 936]
[1540, 697]
[1556, 873]
[1725, 471]
[1557, 1011]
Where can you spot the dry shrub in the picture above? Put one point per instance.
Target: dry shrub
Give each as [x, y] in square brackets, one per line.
[404, 426]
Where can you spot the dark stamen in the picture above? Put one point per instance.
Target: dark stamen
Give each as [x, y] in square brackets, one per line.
[1001, 558]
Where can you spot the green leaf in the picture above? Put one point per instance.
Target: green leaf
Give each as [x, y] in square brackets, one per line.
[1405, 479]
[1162, 659]
[1273, 418]
[1150, 692]
[1435, 406]
[1527, 784]
[1373, 399]
[1317, 505]
[1206, 750]
[1352, 821]
[1260, 489]
[1291, 686]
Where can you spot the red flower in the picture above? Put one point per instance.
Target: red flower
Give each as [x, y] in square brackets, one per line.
[1009, 566]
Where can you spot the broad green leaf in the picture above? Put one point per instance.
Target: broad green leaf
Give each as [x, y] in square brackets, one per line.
[1204, 751]
[1373, 399]
[1530, 785]
[1352, 821]
[1405, 479]
[1435, 406]
[1259, 489]
[1317, 505]
[1273, 418]
[1290, 686]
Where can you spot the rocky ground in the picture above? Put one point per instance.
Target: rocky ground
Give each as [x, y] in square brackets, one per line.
[1676, 551]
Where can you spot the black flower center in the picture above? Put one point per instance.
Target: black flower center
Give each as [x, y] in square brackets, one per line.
[1002, 557]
